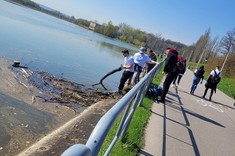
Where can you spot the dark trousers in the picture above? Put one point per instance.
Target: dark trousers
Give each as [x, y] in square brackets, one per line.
[169, 78]
[210, 94]
[125, 76]
[179, 78]
[175, 78]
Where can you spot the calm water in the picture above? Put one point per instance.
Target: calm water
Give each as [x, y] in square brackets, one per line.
[46, 43]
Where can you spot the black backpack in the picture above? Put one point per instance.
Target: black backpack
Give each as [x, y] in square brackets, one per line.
[180, 63]
[199, 73]
[215, 78]
[154, 90]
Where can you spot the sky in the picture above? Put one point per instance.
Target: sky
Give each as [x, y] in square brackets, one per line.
[178, 20]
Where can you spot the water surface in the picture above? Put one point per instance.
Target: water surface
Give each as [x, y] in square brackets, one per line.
[46, 43]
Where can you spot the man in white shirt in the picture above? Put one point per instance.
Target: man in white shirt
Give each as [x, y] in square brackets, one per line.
[128, 69]
[140, 59]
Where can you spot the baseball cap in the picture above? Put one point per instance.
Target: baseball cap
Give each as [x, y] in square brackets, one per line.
[142, 50]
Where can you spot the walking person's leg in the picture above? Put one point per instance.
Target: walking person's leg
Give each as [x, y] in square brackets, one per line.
[179, 78]
[195, 83]
[211, 94]
[166, 85]
[174, 80]
[205, 92]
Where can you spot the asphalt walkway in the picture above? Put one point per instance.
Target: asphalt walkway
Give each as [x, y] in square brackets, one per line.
[188, 125]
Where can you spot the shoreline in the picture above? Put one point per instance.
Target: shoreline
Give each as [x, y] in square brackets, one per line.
[15, 84]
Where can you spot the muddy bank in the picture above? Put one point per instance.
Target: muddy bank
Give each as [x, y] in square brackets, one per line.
[36, 106]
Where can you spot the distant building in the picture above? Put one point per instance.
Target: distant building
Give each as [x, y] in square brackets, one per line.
[92, 26]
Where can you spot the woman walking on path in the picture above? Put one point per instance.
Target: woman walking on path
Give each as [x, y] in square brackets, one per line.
[198, 75]
[213, 80]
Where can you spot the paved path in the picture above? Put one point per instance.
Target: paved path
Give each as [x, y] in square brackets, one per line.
[188, 125]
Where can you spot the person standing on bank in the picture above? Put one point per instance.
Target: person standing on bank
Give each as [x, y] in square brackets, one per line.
[198, 75]
[140, 59]
[213, 80]
[153, 57]
[128, 69]
[170, 69]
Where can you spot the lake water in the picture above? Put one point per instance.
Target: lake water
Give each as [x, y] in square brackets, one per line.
[45, 43]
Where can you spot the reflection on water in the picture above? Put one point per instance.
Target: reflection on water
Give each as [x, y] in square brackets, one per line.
[48, 44]
[20, 121]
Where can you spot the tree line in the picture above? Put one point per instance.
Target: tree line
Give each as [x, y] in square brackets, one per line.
[214, 52]
[35, 6]
[207, 50]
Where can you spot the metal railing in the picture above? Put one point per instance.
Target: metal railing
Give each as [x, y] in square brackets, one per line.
[127, 104]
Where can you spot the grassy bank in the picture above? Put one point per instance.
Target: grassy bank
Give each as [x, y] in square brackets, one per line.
[134, 138]
[227, 85]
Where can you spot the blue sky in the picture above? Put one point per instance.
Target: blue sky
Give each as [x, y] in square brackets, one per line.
[178, 20]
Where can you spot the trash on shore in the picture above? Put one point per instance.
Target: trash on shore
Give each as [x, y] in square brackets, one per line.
[17, 64]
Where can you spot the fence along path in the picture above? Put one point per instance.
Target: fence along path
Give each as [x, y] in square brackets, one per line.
[127, 104]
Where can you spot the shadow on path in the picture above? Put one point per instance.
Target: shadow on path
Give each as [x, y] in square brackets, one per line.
[194, 144]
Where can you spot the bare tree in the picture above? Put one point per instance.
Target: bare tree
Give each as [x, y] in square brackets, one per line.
[227, 43]
[212, 48]
[201, 47]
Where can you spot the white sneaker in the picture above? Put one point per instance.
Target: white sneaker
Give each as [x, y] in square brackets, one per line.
[172, 85]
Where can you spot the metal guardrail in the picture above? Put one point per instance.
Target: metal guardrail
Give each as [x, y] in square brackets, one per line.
[128, 103]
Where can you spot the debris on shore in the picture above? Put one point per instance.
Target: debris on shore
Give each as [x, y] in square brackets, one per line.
[59, 90]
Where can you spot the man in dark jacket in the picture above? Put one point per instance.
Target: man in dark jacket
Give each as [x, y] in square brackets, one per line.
[170, 69]
[212, 82]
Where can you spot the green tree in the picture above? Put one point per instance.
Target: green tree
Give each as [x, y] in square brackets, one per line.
[110, 30]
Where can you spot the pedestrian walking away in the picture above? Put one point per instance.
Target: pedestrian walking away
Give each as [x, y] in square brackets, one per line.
[170, 69]
[181, 70]
[128, 67]
[212, 82]
[198, 75]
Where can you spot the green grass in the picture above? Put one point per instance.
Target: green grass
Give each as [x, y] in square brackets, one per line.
[193, 65]
[227, 85]
[134, 138]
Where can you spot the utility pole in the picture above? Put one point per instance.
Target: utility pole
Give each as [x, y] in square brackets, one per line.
[224, 61]
[188, 59]
[199, 61]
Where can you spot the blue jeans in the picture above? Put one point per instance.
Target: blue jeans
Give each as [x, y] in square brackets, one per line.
[196, 80]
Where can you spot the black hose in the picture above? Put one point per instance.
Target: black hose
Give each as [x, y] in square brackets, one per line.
[109, 73]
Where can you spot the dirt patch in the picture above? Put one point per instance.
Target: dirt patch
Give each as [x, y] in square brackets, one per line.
[43, 115]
